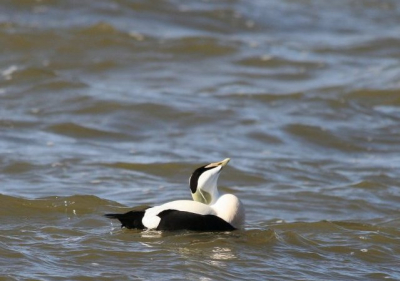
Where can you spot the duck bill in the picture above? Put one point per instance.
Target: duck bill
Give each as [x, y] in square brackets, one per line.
[222, 163]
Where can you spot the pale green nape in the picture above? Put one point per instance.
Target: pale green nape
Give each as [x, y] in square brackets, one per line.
[202, 197]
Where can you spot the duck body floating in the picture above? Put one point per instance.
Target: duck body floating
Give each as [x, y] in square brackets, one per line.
[208, 212]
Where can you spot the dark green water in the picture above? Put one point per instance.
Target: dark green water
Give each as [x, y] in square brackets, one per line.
[105, 105]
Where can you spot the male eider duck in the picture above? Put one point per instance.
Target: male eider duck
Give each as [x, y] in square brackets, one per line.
[208, 212]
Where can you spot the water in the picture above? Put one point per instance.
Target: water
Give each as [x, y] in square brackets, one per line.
[105, 105]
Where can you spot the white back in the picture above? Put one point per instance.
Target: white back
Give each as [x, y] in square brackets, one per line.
[151, 219]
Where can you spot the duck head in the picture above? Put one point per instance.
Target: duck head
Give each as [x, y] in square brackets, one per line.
[204, 180]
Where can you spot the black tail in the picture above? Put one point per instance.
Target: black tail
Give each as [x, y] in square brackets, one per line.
[132, 219]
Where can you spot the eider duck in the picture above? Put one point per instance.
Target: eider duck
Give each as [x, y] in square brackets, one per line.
[208, 212]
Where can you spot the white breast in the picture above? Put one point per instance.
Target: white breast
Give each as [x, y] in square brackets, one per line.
[229, 208]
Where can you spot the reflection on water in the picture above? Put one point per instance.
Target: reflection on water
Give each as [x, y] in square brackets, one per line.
[221, 254]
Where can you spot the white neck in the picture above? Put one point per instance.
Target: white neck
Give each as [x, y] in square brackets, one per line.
[214, 195]
[207, 188]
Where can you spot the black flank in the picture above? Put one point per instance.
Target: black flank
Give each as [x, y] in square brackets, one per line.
[179, 220]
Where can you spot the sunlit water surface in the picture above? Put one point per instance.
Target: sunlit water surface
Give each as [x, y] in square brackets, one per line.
[105, 105]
